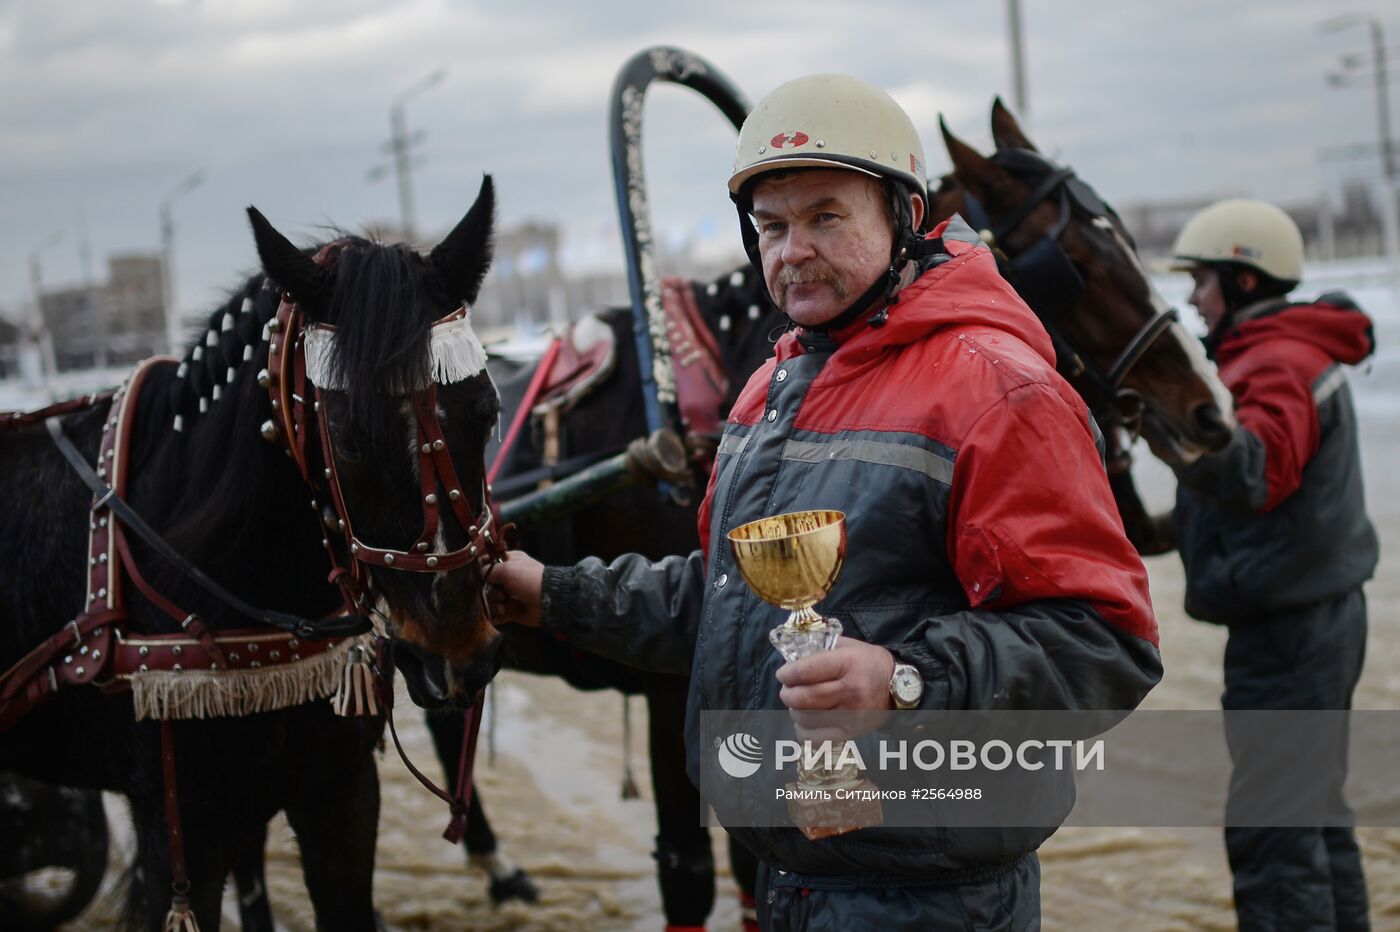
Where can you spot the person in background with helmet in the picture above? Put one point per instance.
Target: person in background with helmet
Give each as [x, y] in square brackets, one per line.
[986, 567]
[1273, 532]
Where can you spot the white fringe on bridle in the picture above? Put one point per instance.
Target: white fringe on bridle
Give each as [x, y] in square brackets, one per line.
[456, 354]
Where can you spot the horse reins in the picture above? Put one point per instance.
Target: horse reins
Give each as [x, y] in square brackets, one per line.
[1046, 278]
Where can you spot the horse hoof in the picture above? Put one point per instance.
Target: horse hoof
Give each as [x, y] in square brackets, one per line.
[516, 886]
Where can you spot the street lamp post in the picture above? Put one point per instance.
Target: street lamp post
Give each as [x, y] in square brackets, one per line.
[1385, 148]
[167, 256]
[1378, 61]
[399, 142]
[1018, 59]
[39, 329]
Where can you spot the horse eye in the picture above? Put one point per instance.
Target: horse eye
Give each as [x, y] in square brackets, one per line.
[344, 447]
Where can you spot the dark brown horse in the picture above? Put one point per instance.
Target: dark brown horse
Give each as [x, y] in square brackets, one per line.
[1074, 262]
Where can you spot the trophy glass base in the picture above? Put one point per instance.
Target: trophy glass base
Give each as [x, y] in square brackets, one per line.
[826, 818]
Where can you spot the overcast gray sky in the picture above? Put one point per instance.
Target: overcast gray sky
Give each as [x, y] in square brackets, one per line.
[108, 104]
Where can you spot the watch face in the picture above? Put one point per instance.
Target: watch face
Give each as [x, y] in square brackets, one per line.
[908, 686]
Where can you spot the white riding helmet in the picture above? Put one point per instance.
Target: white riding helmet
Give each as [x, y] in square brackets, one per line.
[829, 121]
[1249, 233]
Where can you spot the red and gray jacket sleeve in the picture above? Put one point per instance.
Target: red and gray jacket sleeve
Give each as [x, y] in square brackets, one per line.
[1060, 614]
[1276, 437]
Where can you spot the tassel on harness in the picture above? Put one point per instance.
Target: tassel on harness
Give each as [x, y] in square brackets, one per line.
[180, 918]
[356, 695]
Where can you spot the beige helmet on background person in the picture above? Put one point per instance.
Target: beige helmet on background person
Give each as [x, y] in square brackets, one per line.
[829, 121]
[1245, 232]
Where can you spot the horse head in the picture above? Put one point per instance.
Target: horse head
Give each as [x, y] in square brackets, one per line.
[394, 442]
[1070, 257]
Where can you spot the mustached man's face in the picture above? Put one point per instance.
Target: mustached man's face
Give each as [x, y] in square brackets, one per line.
[824, 237]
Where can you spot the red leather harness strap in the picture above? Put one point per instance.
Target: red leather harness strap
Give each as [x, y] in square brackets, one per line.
[466, 764]
[105, 584]
[11, 420]
[522, 412]
[459, 801]
[701, 379]
[237, 649]
[84, 646]
[436, 471]
[174, 831]
[179, 916]
[191, 622]
[85, 642]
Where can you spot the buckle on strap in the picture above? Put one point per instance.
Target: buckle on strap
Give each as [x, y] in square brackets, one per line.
[77, 632]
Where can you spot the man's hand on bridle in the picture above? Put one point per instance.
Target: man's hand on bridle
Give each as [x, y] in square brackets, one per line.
[513, 589]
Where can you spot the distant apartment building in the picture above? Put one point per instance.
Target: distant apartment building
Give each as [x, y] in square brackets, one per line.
[526, 285]
[120, 320]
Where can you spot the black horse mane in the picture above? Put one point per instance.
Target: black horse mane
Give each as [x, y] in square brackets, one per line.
[200, 425]
[383, 304]
[376, 352]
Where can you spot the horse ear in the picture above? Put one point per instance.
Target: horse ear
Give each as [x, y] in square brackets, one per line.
[288, 266]
[1006, 130]
[973, 170]
[464, 256]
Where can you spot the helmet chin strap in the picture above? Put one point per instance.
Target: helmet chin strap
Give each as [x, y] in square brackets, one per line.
[884, 291]
[1235, 298]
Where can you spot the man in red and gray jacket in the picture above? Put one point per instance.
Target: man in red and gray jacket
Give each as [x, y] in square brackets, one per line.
[987, 565]
[1274, 535]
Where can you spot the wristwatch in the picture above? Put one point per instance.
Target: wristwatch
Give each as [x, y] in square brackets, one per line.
[906, 686]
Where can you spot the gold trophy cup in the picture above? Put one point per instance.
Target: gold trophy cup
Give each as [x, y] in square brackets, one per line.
[792, 561]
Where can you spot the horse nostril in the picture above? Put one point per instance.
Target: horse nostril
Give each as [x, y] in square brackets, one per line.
[1211, 428]
[495, 655]
[473, 677]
